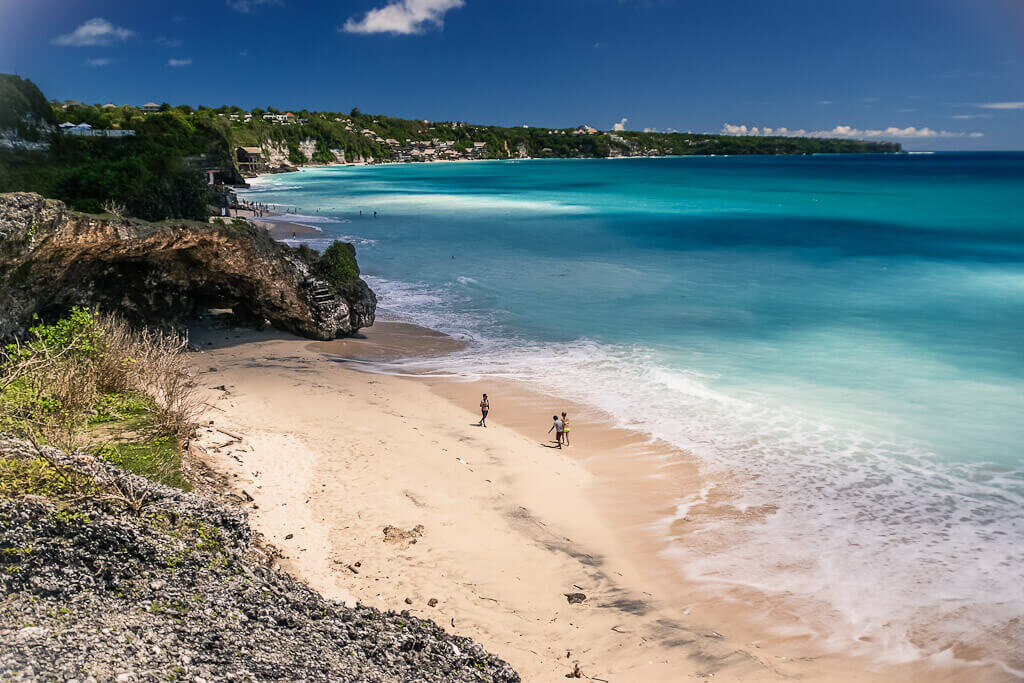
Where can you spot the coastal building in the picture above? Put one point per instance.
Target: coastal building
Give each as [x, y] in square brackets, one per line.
[250, 159]
[150, 107]
[87, 131]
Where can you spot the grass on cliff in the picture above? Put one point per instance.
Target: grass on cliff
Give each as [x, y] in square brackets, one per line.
[92, 381]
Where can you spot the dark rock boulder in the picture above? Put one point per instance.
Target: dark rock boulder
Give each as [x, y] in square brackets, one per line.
[164, 273]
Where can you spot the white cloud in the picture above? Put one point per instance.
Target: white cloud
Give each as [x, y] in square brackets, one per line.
[403, 17]
[972, 116]
[621, 125]
[247, 6]
[825, 102]
[168, 42]
[99, 61]
[93, 33]
[179, 62]
[910, 132]
[1002, 105]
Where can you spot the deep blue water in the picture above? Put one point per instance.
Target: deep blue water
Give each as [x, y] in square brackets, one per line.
[845, 331]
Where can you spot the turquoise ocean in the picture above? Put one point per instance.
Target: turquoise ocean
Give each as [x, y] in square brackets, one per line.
[838, 339]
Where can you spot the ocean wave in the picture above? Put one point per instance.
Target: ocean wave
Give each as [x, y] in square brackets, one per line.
[256, 188]
[461, 204]
[302, 219]
[886, 549]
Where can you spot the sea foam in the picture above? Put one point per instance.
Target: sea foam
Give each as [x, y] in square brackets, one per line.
[881, 547]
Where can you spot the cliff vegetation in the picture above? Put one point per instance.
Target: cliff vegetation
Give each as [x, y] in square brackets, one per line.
[111, 570]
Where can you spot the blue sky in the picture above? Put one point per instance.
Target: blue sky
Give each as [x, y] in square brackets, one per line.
[932, 74]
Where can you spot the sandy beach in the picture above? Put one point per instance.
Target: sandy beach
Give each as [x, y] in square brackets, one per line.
[381, 489]
[275, 224]
[284, 229]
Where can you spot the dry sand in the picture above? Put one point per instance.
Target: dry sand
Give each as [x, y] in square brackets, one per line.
[491, 523]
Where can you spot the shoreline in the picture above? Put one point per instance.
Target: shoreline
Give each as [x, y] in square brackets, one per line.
[558, 522]
[301, 167]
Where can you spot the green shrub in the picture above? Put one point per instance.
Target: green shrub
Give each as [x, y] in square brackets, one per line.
[76, 332]
[47, 385]
[90, 378]
[338, 266]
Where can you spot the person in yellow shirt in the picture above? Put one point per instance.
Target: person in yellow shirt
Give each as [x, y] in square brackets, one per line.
[565, 429]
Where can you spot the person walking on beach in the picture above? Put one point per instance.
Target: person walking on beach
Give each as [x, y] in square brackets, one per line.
[565, 429]
[559, 428]
[485, 407]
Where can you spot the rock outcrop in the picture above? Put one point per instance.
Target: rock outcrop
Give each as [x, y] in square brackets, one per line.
[26, 118]
[178, 591]
[164, 273]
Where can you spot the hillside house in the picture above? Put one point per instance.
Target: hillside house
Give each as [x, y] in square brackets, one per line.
[250, 159]
[150, 107]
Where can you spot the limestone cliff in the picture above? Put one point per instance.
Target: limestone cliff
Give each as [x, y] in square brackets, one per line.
[163, 273]
[276, 156]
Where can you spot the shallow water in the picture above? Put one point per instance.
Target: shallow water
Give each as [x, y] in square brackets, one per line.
[839, 339]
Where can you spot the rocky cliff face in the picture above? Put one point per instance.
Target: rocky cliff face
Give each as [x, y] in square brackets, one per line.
[276, 157]
[179, 591]
[163, 273]
[26, 119]
[307, 147]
